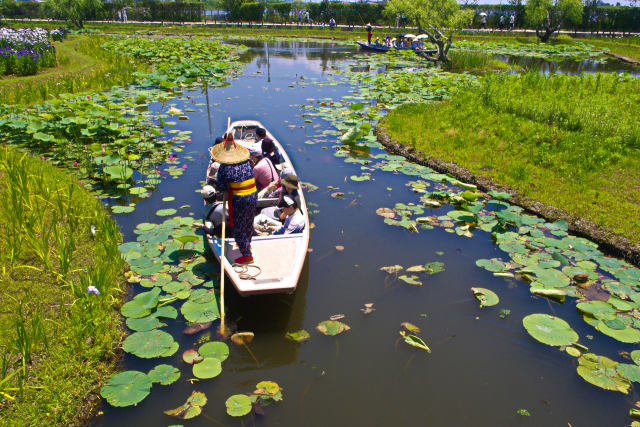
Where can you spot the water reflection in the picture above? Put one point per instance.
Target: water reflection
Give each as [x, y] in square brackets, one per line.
[571, 67]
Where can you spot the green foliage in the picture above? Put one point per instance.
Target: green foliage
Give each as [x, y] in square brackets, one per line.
[548, 16]
[75, 11]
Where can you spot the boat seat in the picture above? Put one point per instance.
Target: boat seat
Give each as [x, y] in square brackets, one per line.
[265, 203]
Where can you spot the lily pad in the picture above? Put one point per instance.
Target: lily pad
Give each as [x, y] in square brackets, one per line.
[126, 388]
[166, 212]
[164, 374]
[549, 330]
[191, 356]
[142, 304]
[238, 405]
[486, 297]
[415, 341]
[150, 344]
[200, 312]
[242, 338]
[631, 372]
[298, 336]
[602, 372]
[386, 212]
[268, 390]
[192, 407]
[214, 349]
[434, 267]
[635, 356]
[392, 268]
[598, 309]
[410, 279]
[410, 327]
[332, 327]
[208, 368]
[492, 264]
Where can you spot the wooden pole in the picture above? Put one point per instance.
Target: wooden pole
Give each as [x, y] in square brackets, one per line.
[223, 328]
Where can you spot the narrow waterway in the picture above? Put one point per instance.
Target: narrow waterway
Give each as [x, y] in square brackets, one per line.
[482, 369]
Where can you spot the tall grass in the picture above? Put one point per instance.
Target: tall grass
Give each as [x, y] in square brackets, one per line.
[58, 338]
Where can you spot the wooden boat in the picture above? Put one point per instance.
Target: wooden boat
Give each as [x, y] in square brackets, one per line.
[279, 258]
[383, 49]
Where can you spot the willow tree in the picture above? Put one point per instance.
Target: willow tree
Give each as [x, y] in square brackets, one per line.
[547, 16]
[438, 19]
[75, 11]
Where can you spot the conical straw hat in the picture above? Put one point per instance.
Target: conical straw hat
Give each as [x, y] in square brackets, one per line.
[229, 153]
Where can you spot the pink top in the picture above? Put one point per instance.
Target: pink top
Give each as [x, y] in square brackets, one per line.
[265, 173]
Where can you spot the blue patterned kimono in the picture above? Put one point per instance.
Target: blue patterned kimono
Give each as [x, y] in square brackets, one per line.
[240, 181]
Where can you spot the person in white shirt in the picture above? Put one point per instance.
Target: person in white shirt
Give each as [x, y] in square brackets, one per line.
[294, 221]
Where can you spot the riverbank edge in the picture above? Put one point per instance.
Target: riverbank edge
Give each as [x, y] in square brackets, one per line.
[106, 364]
[611, 243]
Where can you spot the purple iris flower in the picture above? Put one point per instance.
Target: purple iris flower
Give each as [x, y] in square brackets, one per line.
[93, 290]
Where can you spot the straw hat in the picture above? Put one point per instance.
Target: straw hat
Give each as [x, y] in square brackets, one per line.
[229, 153]
[291, 181]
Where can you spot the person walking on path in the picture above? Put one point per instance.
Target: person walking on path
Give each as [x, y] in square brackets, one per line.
[124, 15]
[512, 21]
[501, 23]
[483, 21]
[369, 32]
[236, 177]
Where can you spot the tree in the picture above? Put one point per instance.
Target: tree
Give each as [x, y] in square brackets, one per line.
[75, 11]
[438, 19]
[547, 16]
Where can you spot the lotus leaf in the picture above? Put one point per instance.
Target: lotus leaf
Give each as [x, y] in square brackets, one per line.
[386, 212]
[150, 344]
[166, 212]
[392, 268]
[572, 351]
[602, 372]
[550, 278]
[493, 264]
[242, 338]
[620, 304]
[631, 372]
[556, 294]
[164, 374]
[168, 199]
[549, 330]
[191, 356]
[143, 324]
[268, 390]
[141, 305]
[410, 279]
[415, 341]
[192, 407]
[462, 216]
[210, 367]
[410, 327]
[238, 405]
[298, 336]
[598, 309]
[416, 269]
[214, 349]
[486, 297]
[434, 267]
[145, 226]
[126, 388]
[332, 327]
[627, 335]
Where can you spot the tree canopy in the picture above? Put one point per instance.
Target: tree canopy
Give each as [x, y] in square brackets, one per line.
[438, 19]
[75, 11]
[547, 16]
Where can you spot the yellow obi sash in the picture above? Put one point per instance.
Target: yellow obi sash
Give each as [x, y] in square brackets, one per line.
[243, 188]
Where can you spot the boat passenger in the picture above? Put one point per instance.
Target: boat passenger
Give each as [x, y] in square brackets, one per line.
[237, 178]
[263, 169]
[269, 149]
[212, 168]
[289, 186]
[211, 211]
[377, 41]
[293, 220]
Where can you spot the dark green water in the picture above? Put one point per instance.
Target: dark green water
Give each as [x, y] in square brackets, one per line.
[482, 368]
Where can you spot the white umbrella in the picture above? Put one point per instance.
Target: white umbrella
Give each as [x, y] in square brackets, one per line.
[422, 36]
[410, 36]
[483, 13]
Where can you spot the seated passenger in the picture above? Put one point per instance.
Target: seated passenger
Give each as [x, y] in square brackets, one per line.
[264, 171]
[289, 186]
[212, 210]
[270, 151]
[290, 220]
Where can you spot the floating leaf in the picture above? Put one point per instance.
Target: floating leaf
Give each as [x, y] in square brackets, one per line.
[191, 409]
[635, 356]
[410, 327]
[415, 341]
[164, 374]
[337, 195]
[191, 356]
[269, 390]
[391, 269]
[208, 368]
[150, 344]
[238, 405]
[386, 212]
[549, 330]
[598, 309]
[166, 212]
[214, 349]
[142, 304]
[332, 327]
[242, 338]
[298, 336]
[632, 372]
[492, 264]
[486, 297]
[126, 388]
[601, 371]
[416, 269]
[168, 199]
[412, 279]
[434, 267]
[200, 312]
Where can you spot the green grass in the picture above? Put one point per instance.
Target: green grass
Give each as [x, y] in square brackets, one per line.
[58, 341]
[570, 142]
[82, 66]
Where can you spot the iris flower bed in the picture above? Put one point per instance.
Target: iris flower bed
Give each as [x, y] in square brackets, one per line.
[27, 50]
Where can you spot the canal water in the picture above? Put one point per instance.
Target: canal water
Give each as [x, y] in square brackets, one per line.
[482, 369]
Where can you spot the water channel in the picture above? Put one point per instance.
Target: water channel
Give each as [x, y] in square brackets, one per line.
[482, 368]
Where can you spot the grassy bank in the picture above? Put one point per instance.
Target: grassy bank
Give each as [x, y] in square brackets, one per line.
[570, 142]
[82, 66]
[58, 338]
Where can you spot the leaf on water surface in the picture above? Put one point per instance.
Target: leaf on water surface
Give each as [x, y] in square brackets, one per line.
[410, 279]
[214, 349]
[195, 328]
[434, 267]
[242, 338]
[238, 405]
[555, 294]
[391, 269]
[145, 226]
[486, 297]
[191, 356]
[415, 341]
[126, 388]
[191, 408]
[268, 390]
[141, 305]
[493, 264]
[186, 238]
[168, 199]
[360, 178]
[150, 344]
[572, 351]
[210, 367]
[337, 195]
[599, 309]
[166, 212]
[386, 212]
[416, 269]
[410, 327]
[164, 374]
[298, 336]
[143, 324]
[631, 372]
[602, 372]
[549, 330]
[332, 327]
[635, 356]
[368, 308]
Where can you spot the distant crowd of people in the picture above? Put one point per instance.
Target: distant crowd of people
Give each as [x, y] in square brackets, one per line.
[501, 21]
